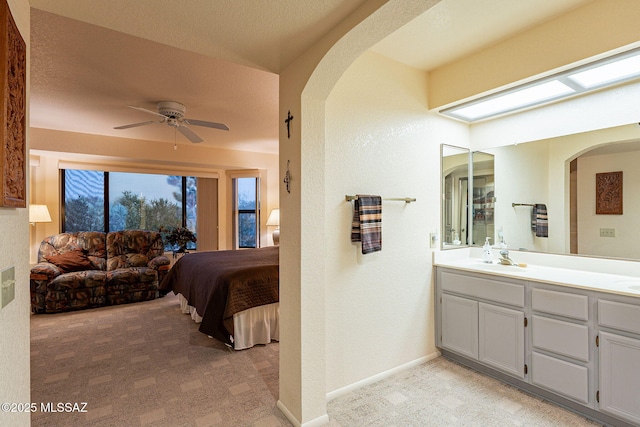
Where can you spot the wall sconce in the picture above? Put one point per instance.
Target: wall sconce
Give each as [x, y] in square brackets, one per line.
[274, 220]
[38, 213]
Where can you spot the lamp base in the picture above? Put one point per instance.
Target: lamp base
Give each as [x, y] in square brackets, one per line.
[276, 236]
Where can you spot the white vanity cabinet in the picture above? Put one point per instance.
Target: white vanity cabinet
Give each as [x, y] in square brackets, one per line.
[482, 318]
[619, 365]
[561, 359]
[576, 346]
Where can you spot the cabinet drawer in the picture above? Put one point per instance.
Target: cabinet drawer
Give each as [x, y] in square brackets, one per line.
[567, 339]
[625, 317]
[560, 303]
[493, 290]
[560, 376]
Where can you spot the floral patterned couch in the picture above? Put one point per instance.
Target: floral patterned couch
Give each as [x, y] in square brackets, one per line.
[89, 269]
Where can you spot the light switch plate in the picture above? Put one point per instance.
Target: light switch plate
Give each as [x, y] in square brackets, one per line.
[607, 232]
[7, 286]
[433, 238]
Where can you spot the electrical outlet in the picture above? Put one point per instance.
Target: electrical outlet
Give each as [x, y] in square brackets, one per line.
[607, 232]
[7, 286]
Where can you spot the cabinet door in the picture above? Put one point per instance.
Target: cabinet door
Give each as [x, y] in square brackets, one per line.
[460, 325]
[619, 376]
[501, 338]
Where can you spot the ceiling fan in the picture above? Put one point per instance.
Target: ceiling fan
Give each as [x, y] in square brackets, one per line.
[172, 113]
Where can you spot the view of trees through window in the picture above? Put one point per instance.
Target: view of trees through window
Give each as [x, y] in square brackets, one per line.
[247, 211]
[135, 201]
[83, 200]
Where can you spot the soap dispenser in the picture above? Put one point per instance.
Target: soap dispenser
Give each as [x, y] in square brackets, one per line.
[487, 254]
[456, 240]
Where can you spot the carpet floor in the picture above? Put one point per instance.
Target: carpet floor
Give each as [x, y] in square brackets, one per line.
[145, 364]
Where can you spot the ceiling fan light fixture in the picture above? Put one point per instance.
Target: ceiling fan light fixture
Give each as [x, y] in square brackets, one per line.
[171, 109]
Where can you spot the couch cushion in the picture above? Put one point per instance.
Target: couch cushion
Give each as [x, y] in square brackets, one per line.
[75, 260]
[125, 242]
[133, 284]
[80, 279]
[126, 261]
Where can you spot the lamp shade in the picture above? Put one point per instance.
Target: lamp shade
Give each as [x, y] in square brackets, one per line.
[274, 217]
[39, 213]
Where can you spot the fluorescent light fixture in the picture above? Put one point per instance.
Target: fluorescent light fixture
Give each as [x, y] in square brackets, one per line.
[611, 72]
[599, 74]
[513, 100]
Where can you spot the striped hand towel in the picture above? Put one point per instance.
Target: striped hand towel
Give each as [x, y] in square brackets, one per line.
[367, 223]
[541, 222]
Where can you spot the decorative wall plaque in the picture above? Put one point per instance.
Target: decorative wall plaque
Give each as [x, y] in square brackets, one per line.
[13, 63]
[609, 193]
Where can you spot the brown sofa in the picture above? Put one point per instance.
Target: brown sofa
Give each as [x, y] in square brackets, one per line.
[93, 269]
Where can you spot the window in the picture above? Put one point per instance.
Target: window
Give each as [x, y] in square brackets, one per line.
[133, 201]
[83, 200]
[247, 218]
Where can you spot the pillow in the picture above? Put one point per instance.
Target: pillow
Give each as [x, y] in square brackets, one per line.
[74, 260]
[137, 260]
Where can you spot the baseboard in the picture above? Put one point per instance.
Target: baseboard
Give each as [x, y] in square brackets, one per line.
[381, 376]
[293, 420]
[317, 422]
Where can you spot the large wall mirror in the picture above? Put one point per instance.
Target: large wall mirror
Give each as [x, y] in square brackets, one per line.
[560, 173]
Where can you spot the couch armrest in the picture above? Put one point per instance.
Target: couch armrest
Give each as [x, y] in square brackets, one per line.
[160, 263]
[45, 271]
[41, 275]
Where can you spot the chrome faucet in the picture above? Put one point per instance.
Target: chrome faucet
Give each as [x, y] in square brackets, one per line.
[504, 258]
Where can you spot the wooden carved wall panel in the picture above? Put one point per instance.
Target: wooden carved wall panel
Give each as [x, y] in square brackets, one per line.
[13, 66]
[609, 193]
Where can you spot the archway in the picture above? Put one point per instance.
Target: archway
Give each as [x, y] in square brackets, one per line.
[304, 88]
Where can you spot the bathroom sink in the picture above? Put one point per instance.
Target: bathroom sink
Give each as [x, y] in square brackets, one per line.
[497, 266]
[631, 284]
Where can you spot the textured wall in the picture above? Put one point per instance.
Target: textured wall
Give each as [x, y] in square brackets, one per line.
[382, 140]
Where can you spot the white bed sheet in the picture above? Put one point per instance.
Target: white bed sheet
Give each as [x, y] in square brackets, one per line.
[257, 325]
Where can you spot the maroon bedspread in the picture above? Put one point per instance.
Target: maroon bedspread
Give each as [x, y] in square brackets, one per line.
[221, 283]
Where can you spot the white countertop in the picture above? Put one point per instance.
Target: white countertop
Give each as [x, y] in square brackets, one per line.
[603, 282]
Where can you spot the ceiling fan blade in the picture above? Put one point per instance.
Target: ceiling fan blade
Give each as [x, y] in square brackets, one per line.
[133, 125]
[155, 113]
[189, 134]
[204, 123]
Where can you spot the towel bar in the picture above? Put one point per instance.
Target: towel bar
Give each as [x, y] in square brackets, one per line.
[395, 199]
[513, 205]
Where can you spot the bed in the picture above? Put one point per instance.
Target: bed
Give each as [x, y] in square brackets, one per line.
[232, 294]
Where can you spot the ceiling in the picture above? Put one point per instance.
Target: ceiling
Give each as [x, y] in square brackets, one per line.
[92, 59]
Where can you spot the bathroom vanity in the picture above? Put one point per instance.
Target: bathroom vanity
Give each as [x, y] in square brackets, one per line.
[570, 336]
